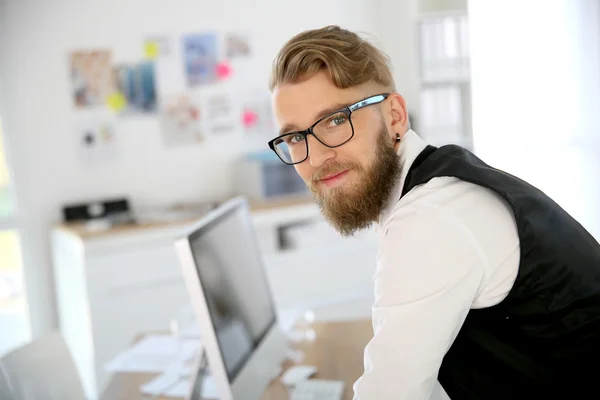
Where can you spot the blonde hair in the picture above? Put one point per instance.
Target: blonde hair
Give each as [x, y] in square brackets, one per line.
[349, 59]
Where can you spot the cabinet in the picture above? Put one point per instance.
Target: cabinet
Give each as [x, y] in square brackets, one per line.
[114, 285]
[445, 79]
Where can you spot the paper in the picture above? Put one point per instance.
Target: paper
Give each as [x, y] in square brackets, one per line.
[156, 353]
[180, 119]
[136, 89]
[221, 112]
[160, 384]
[183, 387]
[238, 45]
[174, 386]
[200, 58]
[91, 77]
[170, 77]
[151, 363]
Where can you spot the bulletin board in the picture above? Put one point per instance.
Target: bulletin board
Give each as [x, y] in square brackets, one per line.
[195, 85]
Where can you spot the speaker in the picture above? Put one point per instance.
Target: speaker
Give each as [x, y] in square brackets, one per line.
[110, 208]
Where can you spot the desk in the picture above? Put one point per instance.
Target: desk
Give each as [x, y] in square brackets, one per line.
[336, 351]
[104, 279]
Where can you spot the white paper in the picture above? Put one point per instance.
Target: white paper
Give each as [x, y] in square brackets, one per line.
[155, 353]
[160, 384]
[182, 388]
[130, 362]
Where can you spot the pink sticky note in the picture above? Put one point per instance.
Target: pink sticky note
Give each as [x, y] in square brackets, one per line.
[224, 70]
[249, 118]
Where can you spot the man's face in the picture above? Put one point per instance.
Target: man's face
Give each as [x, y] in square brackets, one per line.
[352, 182]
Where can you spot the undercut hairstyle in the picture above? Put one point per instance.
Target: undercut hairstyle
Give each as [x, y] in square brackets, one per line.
[350, 59]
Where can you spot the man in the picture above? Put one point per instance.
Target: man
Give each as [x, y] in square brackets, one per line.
[482, 281]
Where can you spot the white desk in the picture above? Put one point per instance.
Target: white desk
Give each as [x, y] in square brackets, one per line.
[113, 286]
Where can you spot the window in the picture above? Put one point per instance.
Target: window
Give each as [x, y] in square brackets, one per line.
[13, 309]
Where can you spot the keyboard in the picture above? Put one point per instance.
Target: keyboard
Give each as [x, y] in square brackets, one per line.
[318, 389]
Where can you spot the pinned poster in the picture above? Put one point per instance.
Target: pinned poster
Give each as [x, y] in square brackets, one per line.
[180, 119]
[136, 89]
[221, 113]
[169, 67]
[237, 45]
[201, 58]
[91, 77]
[239, 54]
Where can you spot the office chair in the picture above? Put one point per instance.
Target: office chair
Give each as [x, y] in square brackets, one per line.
[6, 389]
[42, 370]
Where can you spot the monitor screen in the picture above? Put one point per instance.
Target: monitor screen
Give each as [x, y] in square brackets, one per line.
[232, 275]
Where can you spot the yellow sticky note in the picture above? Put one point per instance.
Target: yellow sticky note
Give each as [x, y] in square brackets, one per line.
[117, 101]
[152, 50]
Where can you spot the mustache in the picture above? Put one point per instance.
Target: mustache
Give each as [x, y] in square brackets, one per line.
[333, 169]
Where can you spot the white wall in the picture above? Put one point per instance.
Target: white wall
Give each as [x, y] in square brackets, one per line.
[36, 38]
[435, 6]
[536, 96]
[398, 37]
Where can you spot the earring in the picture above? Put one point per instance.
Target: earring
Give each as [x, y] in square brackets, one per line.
[397, 137]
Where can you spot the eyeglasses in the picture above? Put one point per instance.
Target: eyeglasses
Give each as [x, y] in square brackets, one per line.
[332, 130]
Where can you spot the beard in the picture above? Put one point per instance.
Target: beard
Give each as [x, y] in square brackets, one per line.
[357, 205]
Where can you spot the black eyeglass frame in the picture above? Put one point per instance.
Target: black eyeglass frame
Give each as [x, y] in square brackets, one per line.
[375, 99]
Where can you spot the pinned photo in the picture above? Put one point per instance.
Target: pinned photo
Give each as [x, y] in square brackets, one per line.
[91, 77]
[221, 114]
[201, 58]
[237, 45]
[180, 121]
[135, 85]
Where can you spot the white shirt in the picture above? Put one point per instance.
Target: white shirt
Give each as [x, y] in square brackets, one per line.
[447, 246]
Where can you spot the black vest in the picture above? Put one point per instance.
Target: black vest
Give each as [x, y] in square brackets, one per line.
[543, 340]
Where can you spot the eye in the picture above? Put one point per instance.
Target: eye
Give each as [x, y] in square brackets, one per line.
[337, 120]
[294, 139]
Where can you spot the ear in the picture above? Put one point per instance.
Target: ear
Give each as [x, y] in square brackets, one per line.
[398, 114]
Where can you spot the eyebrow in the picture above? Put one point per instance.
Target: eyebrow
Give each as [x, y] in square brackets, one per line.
[289, 128]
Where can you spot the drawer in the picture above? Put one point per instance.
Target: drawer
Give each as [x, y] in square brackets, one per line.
[139, 268]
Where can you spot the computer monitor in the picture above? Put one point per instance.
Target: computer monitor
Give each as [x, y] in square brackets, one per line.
[228, 287]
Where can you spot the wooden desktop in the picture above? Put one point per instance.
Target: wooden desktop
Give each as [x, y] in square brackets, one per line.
[336, 350]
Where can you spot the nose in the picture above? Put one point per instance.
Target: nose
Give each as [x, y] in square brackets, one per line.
[318, 153]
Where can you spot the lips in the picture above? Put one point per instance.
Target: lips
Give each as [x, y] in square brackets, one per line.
[334, 175]
[333, 179]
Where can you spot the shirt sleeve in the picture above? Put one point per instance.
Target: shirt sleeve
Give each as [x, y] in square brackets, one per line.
[429, 270]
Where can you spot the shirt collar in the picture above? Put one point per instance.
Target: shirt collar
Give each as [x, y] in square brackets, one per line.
[410, 147]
